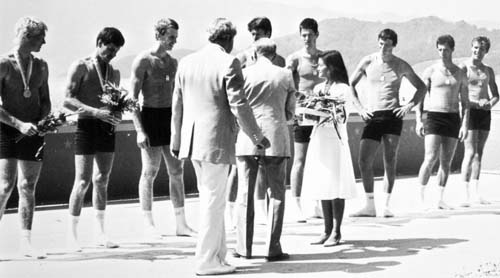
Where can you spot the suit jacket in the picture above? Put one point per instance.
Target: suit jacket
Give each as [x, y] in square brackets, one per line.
[208, 94]
[271, 93]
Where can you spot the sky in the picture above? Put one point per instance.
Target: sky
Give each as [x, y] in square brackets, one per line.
[74, 24]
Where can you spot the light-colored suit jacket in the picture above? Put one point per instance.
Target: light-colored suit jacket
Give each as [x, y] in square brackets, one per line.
[271, 93]
[208, 94]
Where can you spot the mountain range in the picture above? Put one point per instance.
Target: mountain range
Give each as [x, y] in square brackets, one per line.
[356, 39]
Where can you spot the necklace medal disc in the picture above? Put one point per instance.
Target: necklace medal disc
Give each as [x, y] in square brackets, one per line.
[27, 93]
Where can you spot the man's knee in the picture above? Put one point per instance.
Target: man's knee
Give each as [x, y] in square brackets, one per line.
[149, 172]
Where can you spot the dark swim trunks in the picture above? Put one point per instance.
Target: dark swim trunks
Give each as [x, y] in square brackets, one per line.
[156, 124]
[302, 133]
[92, 136]
[382, 122]
[15, 145]
[444, 124]
[480, 119]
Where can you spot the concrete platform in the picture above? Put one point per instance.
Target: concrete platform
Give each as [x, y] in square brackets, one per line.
[413, 244]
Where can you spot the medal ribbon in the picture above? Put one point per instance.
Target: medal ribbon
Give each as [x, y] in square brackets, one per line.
[26, 78]
[99, 73]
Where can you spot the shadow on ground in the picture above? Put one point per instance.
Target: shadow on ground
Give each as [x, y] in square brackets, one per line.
[375, 250]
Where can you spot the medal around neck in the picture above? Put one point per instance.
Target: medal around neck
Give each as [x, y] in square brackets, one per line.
[27, 93]
[26, 78]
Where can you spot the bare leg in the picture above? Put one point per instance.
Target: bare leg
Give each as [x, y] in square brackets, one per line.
[470, 149]
[28, 173]
[448, 146]
[299, 159]
[175, 169]
[338, 214]
[8, 173]
[391, 145]
[432, 144]
[327, 208]
[151, 159]
[103, 162]
[367, 150]
[83, 175]
[476, 165]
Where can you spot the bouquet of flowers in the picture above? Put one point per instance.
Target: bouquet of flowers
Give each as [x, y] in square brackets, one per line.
[327, 108]
[49, 123]
[117, 100]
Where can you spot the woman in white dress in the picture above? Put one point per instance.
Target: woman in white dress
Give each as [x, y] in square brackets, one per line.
[328, 173]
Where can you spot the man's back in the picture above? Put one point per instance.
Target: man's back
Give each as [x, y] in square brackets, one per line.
[208, 91]
[271, 94]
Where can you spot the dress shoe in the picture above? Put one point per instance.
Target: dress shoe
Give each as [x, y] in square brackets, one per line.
[333, 240]
[321, 239]
[280, 257]
[223, 269]
[238, 255]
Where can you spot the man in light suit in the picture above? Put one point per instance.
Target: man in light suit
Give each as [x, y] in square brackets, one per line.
[208, 99]
[271, 94]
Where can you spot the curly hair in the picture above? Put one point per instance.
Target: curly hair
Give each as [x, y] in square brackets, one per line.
[163, 24]
[221, 29]
[28, 27]
[482, 40]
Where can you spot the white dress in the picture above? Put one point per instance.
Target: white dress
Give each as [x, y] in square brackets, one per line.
[328, 171]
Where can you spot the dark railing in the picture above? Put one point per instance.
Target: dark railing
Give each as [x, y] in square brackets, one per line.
[57, 175]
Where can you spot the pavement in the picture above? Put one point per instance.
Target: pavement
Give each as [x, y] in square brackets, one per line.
[415, 243]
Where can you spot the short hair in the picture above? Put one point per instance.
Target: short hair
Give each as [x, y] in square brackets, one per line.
[221, 29]
[110, 35]
[265, 46]
[309, 23]
[389, 34]
[334, 62]
[163, 24]
[27, 27]
[262, 23]
[483, 41]
[446, 39]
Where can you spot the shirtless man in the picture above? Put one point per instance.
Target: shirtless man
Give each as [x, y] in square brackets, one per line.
[95, 137]
[481, 77]
[383, 114]
[25, 100]
[445, 125]
[303, 64]
[153, 73]
[259, 27]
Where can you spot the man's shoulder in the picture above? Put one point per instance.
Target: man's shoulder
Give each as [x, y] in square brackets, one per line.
[295, 55]
[6, 59]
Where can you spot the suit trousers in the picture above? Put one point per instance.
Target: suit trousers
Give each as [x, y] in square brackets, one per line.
[274, 176]
[211, 246]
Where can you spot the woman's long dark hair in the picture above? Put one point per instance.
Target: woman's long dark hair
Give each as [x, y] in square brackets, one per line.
[334, 62]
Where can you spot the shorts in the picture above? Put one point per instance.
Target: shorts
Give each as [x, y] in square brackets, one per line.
[15, 145]
[480, 119]
[302, 133]
[92, 136]
[444, 124]
[156, 124]
[383, 122]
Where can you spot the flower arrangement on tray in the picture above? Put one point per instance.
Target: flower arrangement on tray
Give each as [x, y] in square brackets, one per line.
[326, 109]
